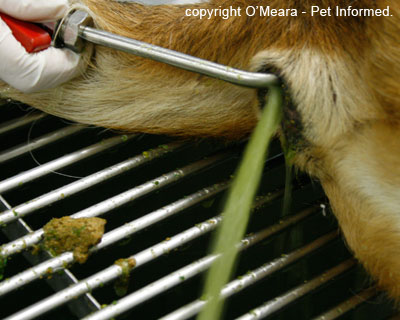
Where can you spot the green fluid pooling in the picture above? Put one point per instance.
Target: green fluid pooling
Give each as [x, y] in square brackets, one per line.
[3, 263]
[239, 202]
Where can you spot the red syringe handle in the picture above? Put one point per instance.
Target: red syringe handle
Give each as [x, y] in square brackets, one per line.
[32, 37]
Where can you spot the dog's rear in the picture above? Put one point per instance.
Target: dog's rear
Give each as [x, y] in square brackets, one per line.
[342, 74]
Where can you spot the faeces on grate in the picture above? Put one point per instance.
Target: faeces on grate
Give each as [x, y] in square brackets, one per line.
[77, 235]
[122, 283]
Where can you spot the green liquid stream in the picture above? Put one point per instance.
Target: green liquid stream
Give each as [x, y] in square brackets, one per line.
[237, 208]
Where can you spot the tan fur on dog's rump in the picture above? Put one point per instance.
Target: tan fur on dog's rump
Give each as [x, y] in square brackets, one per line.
[364, 189]
[343, 77]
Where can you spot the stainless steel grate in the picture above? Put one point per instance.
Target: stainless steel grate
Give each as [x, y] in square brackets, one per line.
[162, 200]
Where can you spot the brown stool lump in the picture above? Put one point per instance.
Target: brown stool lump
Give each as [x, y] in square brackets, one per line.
[76, 235]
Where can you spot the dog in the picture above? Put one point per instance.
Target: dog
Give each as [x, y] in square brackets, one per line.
[341, 72]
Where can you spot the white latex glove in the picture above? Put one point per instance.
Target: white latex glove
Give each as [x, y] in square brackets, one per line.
[29, 72]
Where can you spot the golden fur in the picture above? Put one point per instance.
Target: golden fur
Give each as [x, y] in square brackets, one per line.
[342, 74]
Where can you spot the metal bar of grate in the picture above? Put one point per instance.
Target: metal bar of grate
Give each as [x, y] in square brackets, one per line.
[141, 258]
[249, 278]
[197, 267]
[110, 238]
[112, 203]
[24, 177]
[349, 304]
[112, 272]
[82, 184]
[37, 143]
[151, 185]
[279, 302]
[23, 121]
[79, 306]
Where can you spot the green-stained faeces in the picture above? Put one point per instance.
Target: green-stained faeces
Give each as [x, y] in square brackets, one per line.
[3, 263]
[122, 283]
[76, 235]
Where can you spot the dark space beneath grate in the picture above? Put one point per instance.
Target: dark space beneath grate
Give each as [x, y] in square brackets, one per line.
[162, 199]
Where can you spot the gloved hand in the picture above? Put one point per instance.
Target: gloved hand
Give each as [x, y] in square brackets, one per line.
[35, 71]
